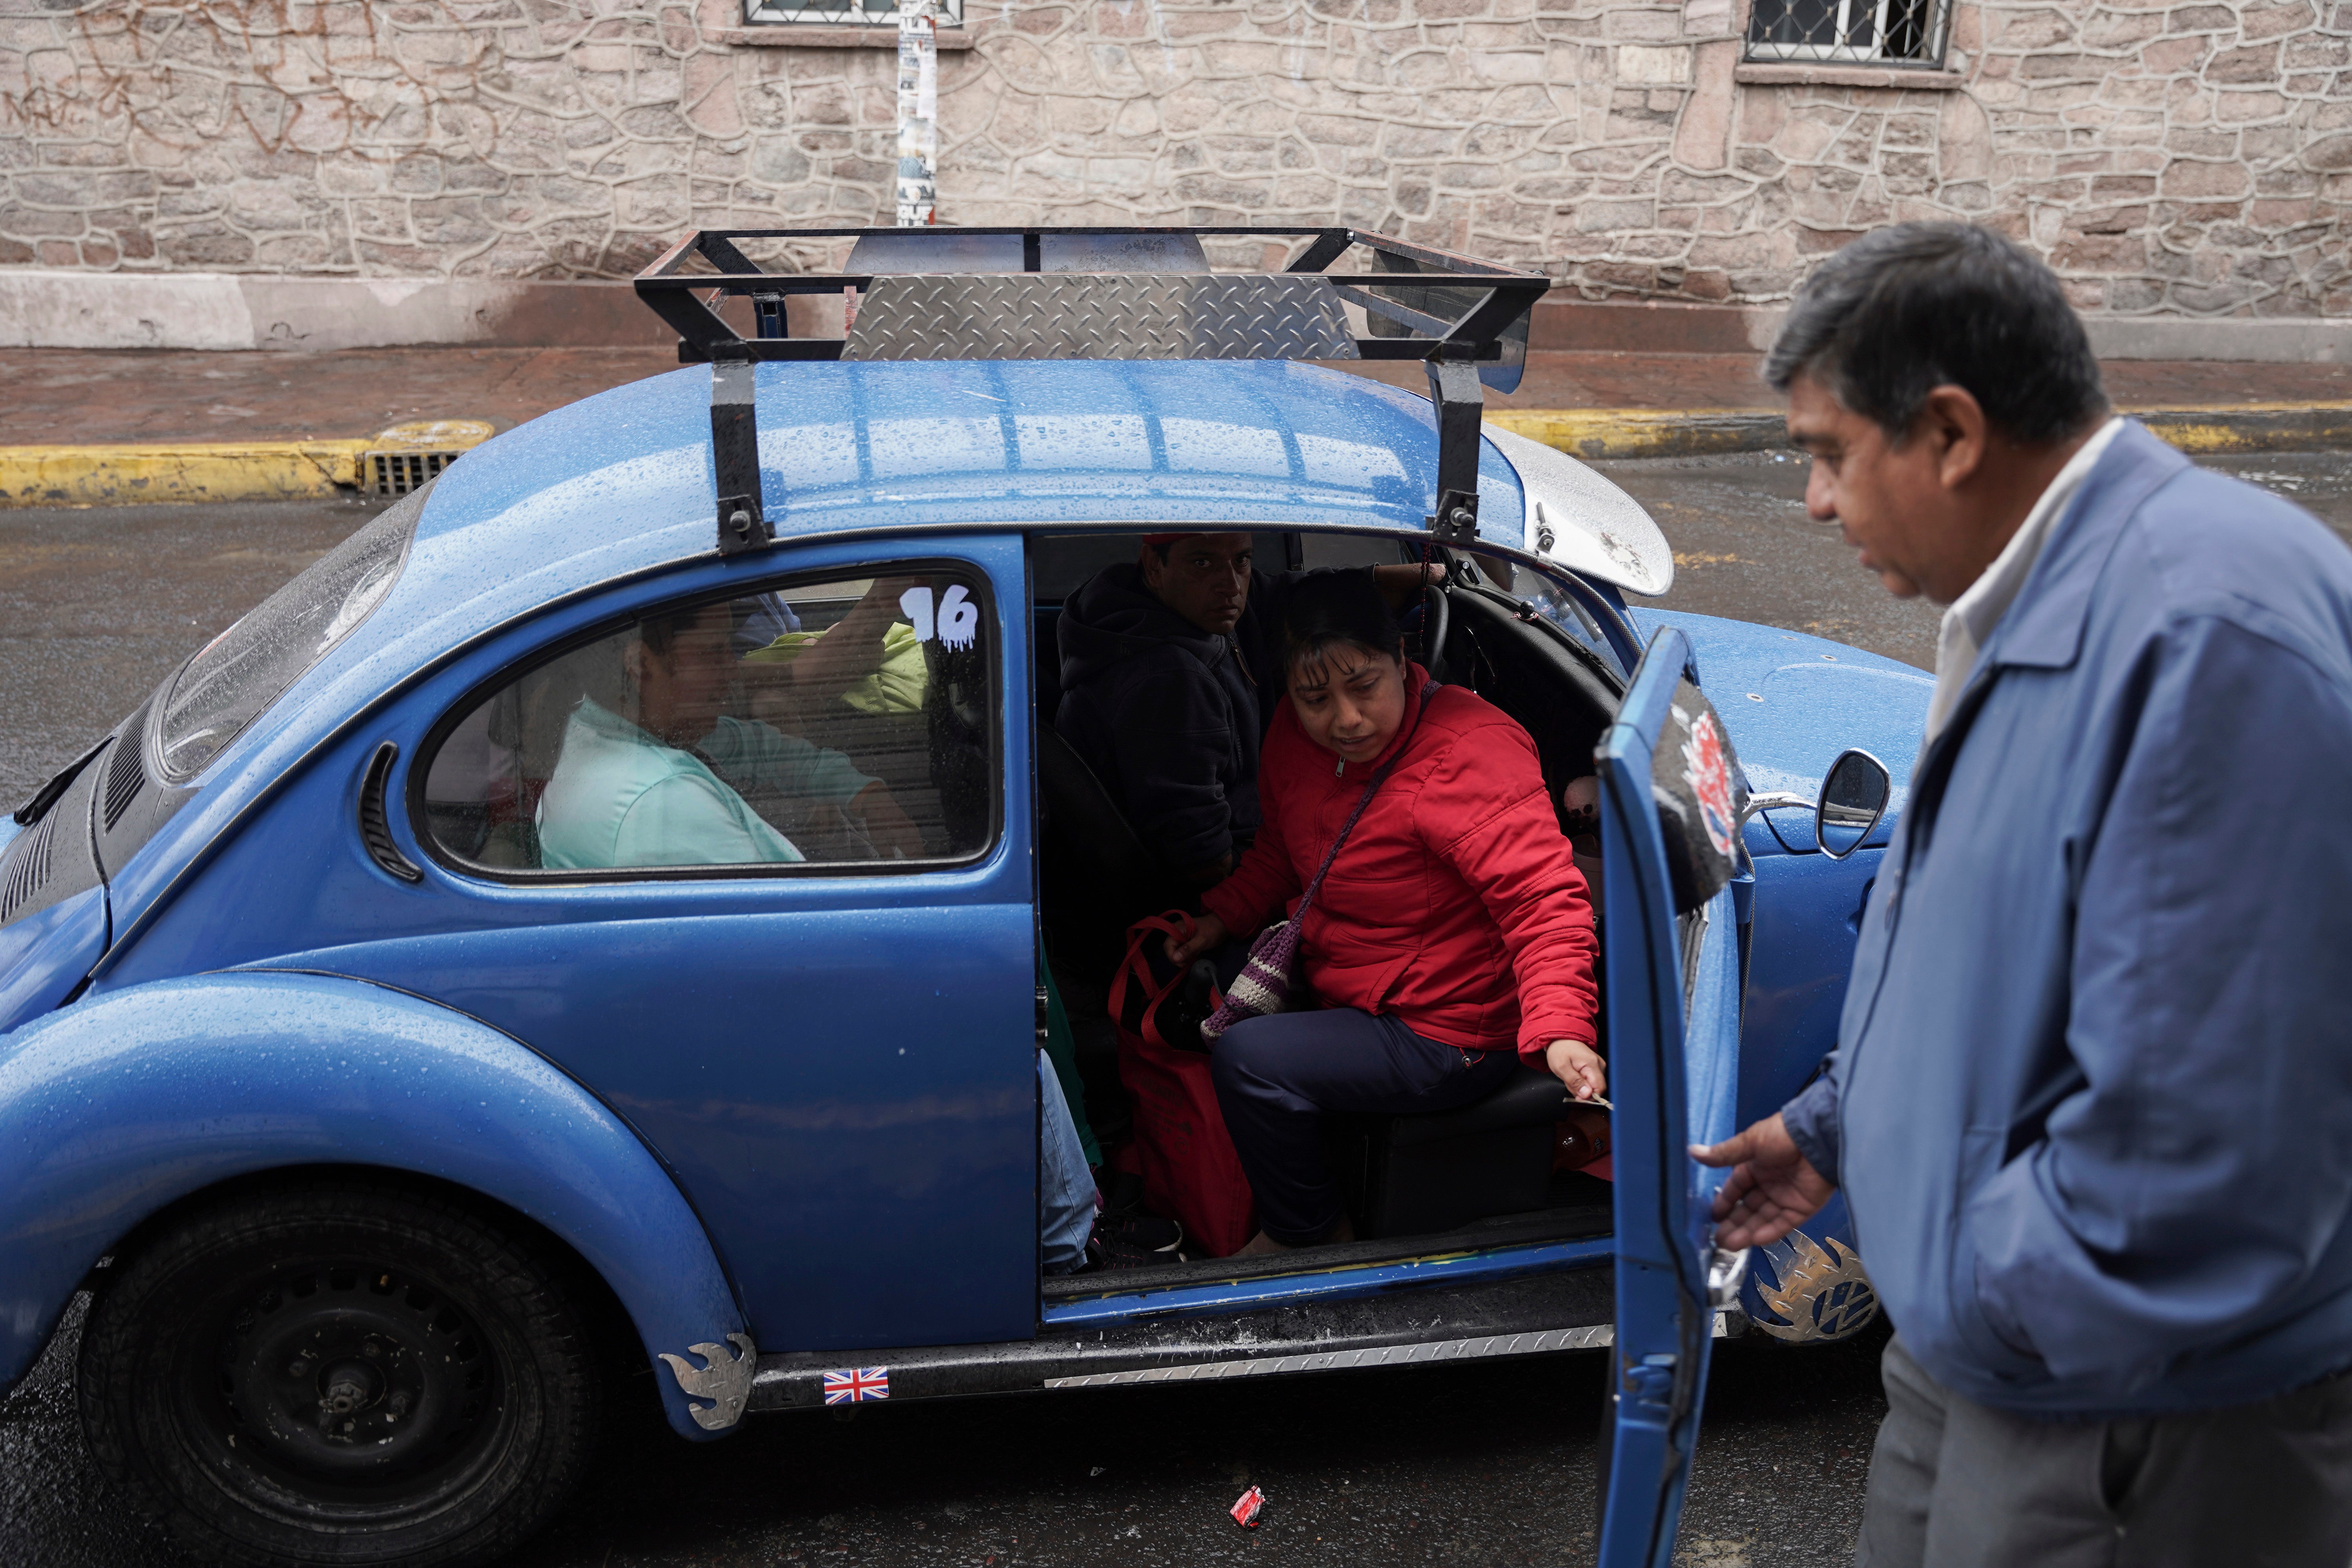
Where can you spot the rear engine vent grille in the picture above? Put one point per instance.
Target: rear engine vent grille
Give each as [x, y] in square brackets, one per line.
[397, 473]
[25, 870]
[126, 771]
[375, 828]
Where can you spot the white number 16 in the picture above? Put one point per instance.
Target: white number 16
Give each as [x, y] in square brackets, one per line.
[956, 623]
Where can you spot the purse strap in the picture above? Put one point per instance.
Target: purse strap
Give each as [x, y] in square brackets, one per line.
[1380, 775]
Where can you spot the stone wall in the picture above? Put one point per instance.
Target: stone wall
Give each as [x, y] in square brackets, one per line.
[2184, 159]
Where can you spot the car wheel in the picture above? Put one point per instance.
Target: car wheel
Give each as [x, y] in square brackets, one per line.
[345, 1373]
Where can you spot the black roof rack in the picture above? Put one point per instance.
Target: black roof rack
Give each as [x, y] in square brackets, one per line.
[995, 293]
[1100, 293]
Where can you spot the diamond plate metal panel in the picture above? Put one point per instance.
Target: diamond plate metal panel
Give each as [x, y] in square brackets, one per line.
[911, 251]
[1345, 1361]
[1598, 1337]
[1100, 316]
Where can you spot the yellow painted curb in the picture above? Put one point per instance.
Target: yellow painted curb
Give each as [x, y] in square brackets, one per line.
[1647, 432]
[116, 476]
[217, 471]
[2253, 426]
[1594, 433]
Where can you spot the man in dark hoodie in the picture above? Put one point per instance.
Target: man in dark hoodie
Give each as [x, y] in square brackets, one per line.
[1164, 693]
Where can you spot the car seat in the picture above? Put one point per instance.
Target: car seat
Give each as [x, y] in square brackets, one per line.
[1437, 1171]
[1094, 875]
[960, 744]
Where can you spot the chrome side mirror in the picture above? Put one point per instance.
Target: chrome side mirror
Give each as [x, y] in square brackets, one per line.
[1853, 797]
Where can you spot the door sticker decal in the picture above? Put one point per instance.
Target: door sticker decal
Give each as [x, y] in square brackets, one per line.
[955, 622]
[1708, 771]
[856, 1385]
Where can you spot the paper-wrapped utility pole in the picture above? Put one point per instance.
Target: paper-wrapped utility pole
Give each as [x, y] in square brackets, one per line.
[919, 113]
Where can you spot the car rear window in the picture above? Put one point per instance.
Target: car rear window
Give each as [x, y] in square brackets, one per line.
[246, 668]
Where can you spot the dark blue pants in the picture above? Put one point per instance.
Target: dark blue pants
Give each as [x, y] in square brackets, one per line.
[1278, 1075]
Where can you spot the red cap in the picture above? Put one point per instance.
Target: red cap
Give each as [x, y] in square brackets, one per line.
[1157, 540]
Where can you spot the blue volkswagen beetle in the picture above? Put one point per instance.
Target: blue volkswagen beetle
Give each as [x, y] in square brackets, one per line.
[390, 1070]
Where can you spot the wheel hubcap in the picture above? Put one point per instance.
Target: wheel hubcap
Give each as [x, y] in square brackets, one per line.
[355, 1376]
[349, 1388]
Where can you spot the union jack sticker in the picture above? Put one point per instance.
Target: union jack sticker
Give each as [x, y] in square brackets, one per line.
[856, 1385]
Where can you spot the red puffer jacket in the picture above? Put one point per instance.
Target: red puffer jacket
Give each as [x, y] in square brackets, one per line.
[1454, 904]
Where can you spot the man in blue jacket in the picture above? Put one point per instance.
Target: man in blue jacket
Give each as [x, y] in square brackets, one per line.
[2092, 1100]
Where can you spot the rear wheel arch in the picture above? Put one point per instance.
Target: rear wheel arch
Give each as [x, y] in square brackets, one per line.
[120, 1117]
[616, 1332]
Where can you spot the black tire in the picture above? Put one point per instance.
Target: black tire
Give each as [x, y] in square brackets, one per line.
[246, 1378]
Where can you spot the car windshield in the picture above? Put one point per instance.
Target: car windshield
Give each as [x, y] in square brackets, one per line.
[1561, 607]
[244, 670]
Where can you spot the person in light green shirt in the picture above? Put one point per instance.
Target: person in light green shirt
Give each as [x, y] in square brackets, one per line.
[897, 684]
[620, 797]
[668, 789]
[663, 791]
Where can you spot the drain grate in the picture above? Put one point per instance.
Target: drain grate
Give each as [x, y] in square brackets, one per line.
[407, 458]
[397, 473]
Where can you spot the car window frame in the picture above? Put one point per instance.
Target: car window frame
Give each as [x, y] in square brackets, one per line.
[984, 592]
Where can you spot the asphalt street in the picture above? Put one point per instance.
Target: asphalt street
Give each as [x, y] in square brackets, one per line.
[97, 605]
[1744, 547]
[1485, 1463]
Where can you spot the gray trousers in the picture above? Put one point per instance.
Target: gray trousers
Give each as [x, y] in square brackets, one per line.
[1955, 1484]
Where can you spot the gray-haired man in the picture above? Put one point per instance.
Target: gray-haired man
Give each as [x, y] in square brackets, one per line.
[2092, 1100]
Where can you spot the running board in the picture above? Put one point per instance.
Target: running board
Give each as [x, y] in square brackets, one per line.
[1600, 1336]
[1523, 1316]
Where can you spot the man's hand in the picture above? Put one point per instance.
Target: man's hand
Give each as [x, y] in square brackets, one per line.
[1580, 1067]
[1772, 1190]
[885, 824]
[1208, 932]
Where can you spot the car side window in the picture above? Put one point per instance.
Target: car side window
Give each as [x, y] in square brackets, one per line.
[836, 723]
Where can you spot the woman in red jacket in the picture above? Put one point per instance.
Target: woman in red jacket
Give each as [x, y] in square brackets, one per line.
[1451, 939]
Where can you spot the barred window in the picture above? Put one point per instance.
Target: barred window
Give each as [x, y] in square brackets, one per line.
[842, 12]
[1862, 32]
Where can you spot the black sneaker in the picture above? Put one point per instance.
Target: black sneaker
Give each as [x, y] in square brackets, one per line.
[1137, 1231]
[1105, 1251]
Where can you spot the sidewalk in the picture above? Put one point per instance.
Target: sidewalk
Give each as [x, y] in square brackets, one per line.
[184, 426]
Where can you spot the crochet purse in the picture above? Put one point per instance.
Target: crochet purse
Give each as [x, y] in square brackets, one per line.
[1265, 983]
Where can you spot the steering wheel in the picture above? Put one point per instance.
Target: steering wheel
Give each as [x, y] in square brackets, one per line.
[1436, 620]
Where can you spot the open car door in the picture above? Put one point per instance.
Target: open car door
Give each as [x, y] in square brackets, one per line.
[1670, 802]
